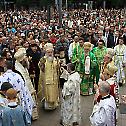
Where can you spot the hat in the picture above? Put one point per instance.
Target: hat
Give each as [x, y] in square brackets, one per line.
[48, 46]
[87, 45]
[110, 52]
[111, 69]
[5, 86]
[11, 93]
[20, 54]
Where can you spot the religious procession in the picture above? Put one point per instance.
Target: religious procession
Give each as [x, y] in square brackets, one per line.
[51, 66]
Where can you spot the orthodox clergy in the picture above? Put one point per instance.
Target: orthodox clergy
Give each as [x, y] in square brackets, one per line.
[77, 53]
[120, 60]
[70, 107]
[72, 46]
[108, 59]
[21, 65]
[18, 84]
[100, 51]
[109, 76]
[49, 78]
[104, 112]
[88, 70]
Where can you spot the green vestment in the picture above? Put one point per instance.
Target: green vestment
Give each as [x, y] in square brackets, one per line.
[88, 81]
[77, 53]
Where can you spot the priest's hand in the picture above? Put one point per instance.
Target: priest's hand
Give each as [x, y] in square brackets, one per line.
[102, 77]
[75, 124]
[95, 87]
[29, 58]
[42, 66]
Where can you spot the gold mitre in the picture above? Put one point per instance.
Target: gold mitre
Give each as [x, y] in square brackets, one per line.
[87, 45]
[48, 46]
[111, 69]
[20, 54]
[110, 52]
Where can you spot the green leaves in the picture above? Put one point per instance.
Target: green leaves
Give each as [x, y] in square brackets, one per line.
[111, 3]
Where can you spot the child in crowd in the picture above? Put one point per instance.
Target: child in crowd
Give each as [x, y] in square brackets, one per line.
[4, 87]
[3, 100]
[13, 114]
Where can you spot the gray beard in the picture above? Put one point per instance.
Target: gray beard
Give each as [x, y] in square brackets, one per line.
[50, 58]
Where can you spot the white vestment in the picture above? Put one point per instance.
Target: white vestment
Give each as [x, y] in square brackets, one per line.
[16, 80]
[71, 49]
[104, 113]
[25, 74]
[120, 59]
[70, 107]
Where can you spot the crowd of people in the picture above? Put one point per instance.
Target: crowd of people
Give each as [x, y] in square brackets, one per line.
[86, 56]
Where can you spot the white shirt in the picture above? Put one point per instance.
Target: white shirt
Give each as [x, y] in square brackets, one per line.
[71, 49]
[70, 24]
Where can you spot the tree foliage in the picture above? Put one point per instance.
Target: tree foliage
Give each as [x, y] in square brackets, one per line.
[111, 3]
[23, 2]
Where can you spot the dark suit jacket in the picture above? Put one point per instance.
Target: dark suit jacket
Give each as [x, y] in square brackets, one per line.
[110, 41]
[124, 37]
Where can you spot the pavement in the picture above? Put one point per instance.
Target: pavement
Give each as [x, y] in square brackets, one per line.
[52, 118]
[122, 117]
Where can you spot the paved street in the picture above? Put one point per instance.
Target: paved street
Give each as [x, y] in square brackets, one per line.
[52, 118]
[122, 117]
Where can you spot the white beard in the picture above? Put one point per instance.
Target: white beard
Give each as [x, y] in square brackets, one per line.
[50, 58]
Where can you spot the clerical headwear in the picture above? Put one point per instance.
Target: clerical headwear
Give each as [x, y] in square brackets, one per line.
[48, 46]
[20, 54]
[111, 69]
[87, 45]
[110, 52]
